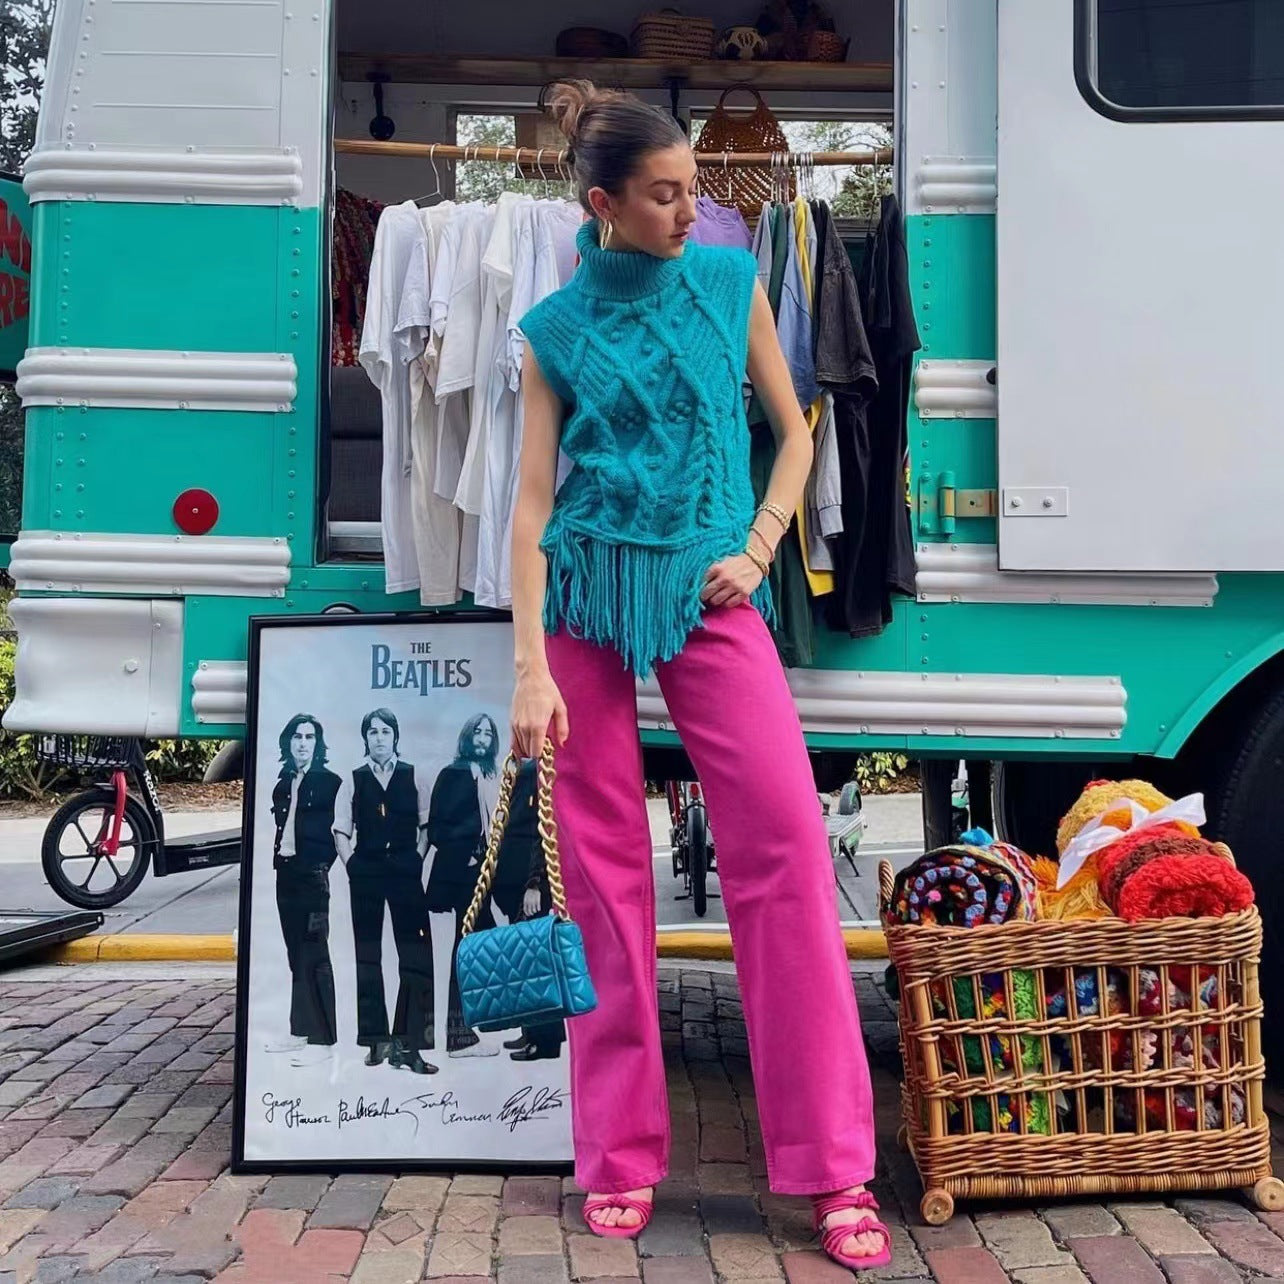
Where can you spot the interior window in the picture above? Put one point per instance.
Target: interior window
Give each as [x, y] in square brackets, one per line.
[1183, 58]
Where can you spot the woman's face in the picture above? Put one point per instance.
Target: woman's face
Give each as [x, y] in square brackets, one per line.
[657, 207]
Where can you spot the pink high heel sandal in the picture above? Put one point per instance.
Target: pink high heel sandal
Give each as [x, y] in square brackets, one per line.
[643, 1210]
[831, 1237]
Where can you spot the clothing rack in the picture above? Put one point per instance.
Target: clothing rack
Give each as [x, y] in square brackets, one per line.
[535, 157]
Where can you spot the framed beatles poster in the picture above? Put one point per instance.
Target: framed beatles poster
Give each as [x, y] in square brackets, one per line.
[374, 746]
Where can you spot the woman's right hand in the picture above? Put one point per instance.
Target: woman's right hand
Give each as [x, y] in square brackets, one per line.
[537, 707]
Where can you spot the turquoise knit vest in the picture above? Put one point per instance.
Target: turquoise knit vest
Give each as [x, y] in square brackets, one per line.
[648, 356]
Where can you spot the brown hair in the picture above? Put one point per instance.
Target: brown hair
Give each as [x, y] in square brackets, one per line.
[608, 131]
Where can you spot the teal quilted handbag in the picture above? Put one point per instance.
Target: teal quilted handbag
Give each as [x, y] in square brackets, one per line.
[529, 972]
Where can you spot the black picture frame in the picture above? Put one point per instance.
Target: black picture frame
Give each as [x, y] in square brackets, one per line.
[259, 626]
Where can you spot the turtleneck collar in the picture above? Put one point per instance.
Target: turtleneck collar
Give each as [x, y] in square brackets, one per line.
[621, 274]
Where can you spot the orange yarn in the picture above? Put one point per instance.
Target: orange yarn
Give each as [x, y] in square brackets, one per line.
[1079, 898]
[1097, 799]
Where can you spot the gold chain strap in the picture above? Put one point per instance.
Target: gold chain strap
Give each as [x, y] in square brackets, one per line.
[546, 774]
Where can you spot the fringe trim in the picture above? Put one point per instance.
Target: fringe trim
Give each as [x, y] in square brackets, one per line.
[643, 602]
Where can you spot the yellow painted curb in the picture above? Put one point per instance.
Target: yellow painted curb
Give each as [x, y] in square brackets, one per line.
[139, 947]
[862, 943]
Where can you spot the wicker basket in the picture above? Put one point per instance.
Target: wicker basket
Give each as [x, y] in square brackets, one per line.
[755, 131]
[826, 46]
[1011, 1092]
[670, 34]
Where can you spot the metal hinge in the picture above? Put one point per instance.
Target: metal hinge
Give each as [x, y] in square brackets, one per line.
[941, 503]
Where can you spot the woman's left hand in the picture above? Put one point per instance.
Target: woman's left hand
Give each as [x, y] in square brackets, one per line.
[730, 582]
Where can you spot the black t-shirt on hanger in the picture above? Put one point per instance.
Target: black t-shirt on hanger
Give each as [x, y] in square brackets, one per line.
[876, 552]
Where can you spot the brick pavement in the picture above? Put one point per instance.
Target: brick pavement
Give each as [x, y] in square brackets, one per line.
[115, 1132]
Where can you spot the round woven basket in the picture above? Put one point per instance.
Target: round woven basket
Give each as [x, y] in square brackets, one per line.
[827, 46]
[670, 34]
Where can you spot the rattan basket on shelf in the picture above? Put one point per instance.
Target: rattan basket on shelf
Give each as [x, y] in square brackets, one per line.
[671, 34]
[1012, 1091]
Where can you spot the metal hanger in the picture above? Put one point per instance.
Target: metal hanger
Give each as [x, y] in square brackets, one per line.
[436, 192]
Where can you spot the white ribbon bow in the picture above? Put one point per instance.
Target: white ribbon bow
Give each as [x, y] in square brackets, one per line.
[1096, 834]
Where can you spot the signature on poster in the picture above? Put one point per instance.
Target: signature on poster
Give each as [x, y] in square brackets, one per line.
[526, 1105]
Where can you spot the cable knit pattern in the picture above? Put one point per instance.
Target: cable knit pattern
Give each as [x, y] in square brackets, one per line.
[649, 357]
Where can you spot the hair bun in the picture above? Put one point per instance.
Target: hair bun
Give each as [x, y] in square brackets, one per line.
[567, 101]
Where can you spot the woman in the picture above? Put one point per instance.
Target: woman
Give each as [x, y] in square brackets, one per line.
[651, 556]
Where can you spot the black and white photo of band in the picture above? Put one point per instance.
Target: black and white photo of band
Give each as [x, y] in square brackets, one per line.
[375, 776]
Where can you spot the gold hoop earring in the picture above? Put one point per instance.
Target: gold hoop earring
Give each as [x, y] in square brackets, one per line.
[608, 231]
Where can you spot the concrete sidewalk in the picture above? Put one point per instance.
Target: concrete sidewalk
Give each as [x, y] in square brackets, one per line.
[206, 902]
[115, 1133]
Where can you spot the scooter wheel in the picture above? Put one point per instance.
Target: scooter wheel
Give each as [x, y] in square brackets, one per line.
[72, 855]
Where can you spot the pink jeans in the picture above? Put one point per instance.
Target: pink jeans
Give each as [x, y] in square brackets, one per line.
[727, 695]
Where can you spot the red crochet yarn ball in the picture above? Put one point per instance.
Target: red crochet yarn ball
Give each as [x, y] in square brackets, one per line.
[1184, 887]
[1110, 856]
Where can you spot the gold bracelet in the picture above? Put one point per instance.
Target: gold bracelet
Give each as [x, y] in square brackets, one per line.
[771, 552]
[777, 512]
[758, 562]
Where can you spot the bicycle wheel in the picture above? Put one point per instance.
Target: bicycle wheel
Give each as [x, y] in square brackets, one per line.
[72, 854]
[698, 858]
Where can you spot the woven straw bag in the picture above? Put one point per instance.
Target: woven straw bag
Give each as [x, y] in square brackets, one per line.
[757, 131]
[670, 34]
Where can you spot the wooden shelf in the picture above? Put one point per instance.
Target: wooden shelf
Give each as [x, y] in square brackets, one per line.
[627, 73]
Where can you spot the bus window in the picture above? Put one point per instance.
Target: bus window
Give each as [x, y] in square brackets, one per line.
[1181, 59]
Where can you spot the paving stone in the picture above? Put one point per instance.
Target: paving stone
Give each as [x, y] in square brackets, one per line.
[85, 1159]
[1019, 1239]
[15, 1223]
[129, 1270]
[477, 1184]
[271, 1252]
[722, 1143]
[44, 1192]
[423, 1195]
[1162, 1232]
[459, 1253]
[529, 1236]
[677, 1270]
[725, 1179]
[814, 1268]
[532, 1195]
[14, 1092]
[967, 1266]
[398, 1228]
[146, 1105]
[199, 1162]
[594, 1257]
[395, 1266]
[293, 1190]
[77, 1218]
[56, 1268]
[675, 1229]
[1078, 1221]
[1200, 1269]
[1070, 1274]
[1202, 1211]
[350, 1203]
[744, 1257]
[108, 1094]
[1248, 1243]
[188, 1120]
[956, 1233]
[549, 1269]
[469, 1214]
[1109, 1259]
[77, 1124]
[730, 1215]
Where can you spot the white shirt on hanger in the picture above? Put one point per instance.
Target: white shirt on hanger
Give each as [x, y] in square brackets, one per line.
[395, 304]
[437, 523]
[544, 260]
